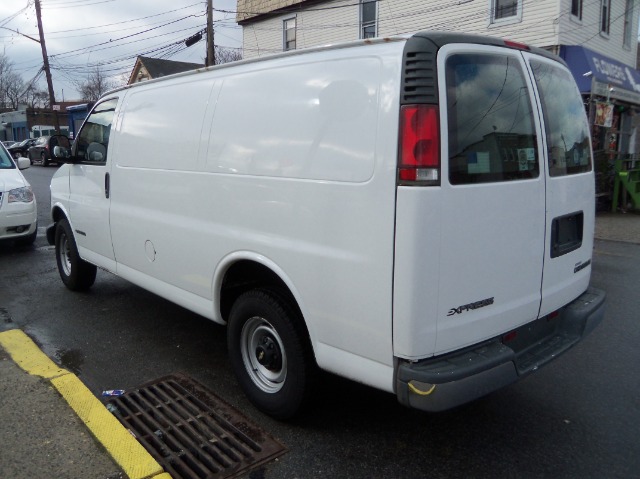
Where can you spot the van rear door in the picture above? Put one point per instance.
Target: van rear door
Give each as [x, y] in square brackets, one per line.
[493, 188]
[570, 189]
[470, 250]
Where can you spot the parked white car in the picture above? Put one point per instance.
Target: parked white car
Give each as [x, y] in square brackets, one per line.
[18, 210]
[413, 213]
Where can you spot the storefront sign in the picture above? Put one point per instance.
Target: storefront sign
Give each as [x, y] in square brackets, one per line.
[604, 114]
[600, 73]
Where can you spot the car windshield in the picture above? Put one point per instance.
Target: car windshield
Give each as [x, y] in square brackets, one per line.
[6, 162]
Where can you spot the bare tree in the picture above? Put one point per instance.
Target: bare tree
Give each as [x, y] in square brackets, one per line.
[36, 97]
[95, 85]
[227, 55]
[6, 70]
[14, 88]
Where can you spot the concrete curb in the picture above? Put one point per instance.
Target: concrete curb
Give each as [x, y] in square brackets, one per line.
[134, 460]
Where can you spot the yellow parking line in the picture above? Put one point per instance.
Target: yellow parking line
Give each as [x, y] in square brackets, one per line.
[135, 461]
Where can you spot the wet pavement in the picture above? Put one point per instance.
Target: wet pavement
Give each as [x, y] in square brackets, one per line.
[42, 436]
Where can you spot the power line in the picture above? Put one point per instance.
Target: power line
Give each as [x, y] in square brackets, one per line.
[91, 47]
[122, 22]
[74, 5]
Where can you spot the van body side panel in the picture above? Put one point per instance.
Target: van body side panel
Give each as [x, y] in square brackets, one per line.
[298, 168]
[313, 190]
[158, 219]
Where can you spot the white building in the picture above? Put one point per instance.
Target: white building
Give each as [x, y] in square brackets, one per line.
[607, 27]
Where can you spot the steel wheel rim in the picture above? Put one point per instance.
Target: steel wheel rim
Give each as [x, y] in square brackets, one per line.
[254, 334]
[65, 255]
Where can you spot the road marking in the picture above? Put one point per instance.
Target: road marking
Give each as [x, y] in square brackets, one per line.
[128, 453]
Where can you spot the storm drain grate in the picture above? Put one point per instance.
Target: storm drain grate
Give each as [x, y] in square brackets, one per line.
[191, 432]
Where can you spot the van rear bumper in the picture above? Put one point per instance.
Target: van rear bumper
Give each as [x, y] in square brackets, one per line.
[447, 381]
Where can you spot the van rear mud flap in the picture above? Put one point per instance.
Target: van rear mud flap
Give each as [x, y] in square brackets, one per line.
[447, 381]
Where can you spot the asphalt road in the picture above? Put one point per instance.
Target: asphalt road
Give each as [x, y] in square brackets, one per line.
[578, 417]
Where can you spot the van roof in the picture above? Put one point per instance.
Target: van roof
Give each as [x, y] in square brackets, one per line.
[438, 38]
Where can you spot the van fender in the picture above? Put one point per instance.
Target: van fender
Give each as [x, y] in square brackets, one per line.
[59, 211]
[229, 260]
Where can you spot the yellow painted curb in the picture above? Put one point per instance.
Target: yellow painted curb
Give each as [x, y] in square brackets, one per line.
[135, 461]
[125, 450]
[29, 356]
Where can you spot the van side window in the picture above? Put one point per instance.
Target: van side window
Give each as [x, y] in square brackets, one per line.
[565, 120]
[491, 129]
[93, 140]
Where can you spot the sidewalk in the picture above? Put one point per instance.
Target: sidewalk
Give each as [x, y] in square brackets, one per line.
[618, 227]
[41, 436]
[51, 426]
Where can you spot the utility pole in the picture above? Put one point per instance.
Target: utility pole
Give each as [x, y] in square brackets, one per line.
[47, 70]
[211, 54]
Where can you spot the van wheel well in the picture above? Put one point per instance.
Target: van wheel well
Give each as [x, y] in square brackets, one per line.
[57, 215]
[247, 275]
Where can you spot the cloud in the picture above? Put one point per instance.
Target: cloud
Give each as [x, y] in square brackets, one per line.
[116, 30]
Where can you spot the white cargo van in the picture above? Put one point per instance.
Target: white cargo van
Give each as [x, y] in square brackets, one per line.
[413, 213]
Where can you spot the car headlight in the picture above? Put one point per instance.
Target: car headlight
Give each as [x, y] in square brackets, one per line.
[21, 195]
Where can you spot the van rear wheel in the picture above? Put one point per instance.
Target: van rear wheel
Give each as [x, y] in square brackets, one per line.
[76, 274]
[270, 353]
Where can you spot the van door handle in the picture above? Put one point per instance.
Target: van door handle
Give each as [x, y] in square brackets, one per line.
[106, 185]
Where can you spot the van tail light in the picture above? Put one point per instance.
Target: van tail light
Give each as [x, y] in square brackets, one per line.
[518, 45]
[419, 157]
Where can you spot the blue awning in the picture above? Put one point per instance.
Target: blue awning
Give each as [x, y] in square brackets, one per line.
[604, 70]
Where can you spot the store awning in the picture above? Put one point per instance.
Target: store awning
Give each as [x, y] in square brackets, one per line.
[606, 73]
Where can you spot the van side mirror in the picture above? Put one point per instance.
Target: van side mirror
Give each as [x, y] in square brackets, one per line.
[23, 163]
[60, 153]
[61, 148]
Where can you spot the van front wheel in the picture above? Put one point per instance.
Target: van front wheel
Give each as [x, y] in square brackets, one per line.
[76, 274]
[270, 353]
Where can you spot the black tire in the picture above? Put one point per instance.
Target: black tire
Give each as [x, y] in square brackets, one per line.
[76, 274]
[43, 157]
[270, 353]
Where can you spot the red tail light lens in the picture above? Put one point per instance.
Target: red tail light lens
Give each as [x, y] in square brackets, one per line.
[419, 159]
[518, 45]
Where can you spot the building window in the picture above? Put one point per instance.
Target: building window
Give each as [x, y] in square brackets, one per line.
[506, 11]
[576, 9]
[628, 23]
[289, 31]
[605, 17]
[368, 18]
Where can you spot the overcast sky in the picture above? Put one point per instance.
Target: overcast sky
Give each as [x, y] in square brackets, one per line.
[81, 35]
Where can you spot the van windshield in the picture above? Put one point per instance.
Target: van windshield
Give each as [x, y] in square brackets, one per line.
[565, 120]
[491, 129]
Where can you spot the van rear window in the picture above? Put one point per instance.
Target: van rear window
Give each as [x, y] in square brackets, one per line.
[565, 120]
[492, 135]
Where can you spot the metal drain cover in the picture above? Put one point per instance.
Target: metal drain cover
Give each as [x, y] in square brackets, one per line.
[191, 432]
